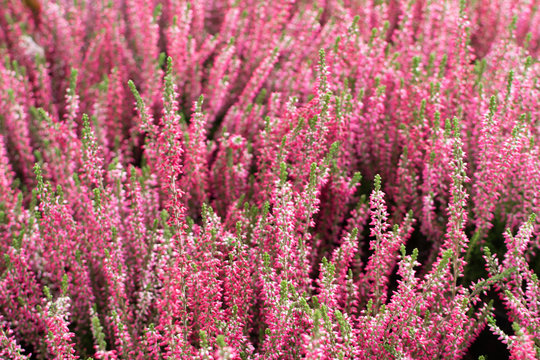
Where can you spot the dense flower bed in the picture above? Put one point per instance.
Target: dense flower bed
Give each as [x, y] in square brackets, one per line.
[244, 179]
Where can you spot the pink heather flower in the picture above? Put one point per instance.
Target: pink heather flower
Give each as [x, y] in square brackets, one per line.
[9, 348]
[523, 348]
[384, 247]
[58, 335]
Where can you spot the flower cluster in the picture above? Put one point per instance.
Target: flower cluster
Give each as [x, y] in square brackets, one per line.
[240, 179]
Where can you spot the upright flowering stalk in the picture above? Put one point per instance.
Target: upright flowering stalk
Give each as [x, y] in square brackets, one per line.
[519, 292]
[488, 181]
[385, 245]
[165, 148]
[58, 335]
[196, 160]
[169, 150]
[456, 239]
[238, 295]
[448, 268]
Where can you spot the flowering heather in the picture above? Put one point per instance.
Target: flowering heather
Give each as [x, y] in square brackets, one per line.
[287, 179]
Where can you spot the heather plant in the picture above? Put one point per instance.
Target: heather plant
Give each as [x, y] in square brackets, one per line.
[269, 180]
